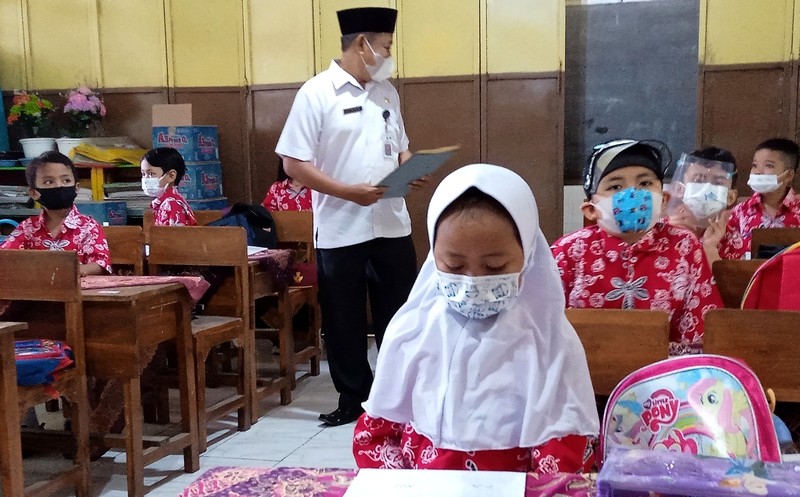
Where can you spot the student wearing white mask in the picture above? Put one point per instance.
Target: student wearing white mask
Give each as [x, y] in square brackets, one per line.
[480, 369]
[702, 190]
[632, 259]
[162, 171]
[343, 135]
[774, 203]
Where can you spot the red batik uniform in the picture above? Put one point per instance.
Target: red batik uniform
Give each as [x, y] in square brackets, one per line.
[379, 443]
[666, 270]
[750, 215]
[78, 233]
[171, 209]
[282, 197]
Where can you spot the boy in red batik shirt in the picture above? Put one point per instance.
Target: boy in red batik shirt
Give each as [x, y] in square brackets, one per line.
[630, 259]
[162, 171]
[774, 203]
[52, 182]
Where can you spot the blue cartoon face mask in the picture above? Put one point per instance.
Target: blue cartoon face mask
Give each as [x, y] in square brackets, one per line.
[629, 210]
[479, 297]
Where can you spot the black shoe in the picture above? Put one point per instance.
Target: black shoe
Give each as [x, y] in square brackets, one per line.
[342, 416]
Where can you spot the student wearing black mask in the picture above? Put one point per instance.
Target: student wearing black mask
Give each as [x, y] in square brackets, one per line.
[52, 181]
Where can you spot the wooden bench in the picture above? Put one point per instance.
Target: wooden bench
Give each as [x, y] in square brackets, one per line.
[618, 342]
[126, 248]
[732, 277]
[48, 276]
[773, 236]
[203, 217]
[767, 341]
[214, 247]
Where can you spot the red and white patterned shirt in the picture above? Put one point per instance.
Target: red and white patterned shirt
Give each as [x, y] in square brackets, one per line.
[171, 209]
[666, 270]
[750, 215]
[78, 233]
[382, 444]
[282, 197]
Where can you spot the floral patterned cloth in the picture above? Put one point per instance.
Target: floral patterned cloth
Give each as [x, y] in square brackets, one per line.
[196, 285]
[666, 270]
[282, 197]
[750, 215]
[78, 233]
[379, 443]
[171, 209]
[280, 264]
[304, 482]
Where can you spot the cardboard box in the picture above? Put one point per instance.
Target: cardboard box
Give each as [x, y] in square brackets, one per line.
[202, 181]
[105, 213]
[195, 143]
[209, 204]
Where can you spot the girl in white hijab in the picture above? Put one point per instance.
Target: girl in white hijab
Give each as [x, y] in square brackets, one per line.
[480, 369]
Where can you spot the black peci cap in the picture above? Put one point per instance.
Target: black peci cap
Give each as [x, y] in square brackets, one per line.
[613, 155]
[367, 20]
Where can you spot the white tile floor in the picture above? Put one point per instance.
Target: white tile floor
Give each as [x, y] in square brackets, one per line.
[285, 436]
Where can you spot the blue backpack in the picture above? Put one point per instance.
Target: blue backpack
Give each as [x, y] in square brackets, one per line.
[39, 361]
[8, 222]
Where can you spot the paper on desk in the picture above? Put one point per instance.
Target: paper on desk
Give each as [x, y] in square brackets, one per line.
[422, 163]
[252, 250]
[435, 483]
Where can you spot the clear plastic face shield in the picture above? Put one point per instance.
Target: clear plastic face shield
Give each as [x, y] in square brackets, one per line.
[699, 190]
[604, 153]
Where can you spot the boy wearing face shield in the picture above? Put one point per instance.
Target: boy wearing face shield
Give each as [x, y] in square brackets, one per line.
[631, 259]
[702, 189]
[774, 203]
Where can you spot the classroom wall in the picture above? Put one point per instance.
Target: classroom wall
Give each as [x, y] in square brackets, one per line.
[483, 73]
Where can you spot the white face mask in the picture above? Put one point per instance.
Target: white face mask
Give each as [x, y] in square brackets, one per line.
[479, 297]
[705, 199]
[383, 68]
[152, 187]
[763, 183]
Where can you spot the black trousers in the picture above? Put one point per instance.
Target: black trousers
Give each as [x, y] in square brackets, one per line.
[384, 267]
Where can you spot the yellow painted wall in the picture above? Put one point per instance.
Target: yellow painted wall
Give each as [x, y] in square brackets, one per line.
[746, 31]
[524, 36]
[63, 43]
[12, 45]
[281, 41]
[185, 43]
[133, 47]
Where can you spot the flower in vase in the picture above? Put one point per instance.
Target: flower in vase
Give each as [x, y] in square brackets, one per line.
[29, 113]
[85, 109]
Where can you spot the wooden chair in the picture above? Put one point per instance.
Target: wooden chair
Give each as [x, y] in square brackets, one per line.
[217, 247]
[49, 277]
[295, 229]
[773, 236]
[732, 278]
[203, 217]
[766, 340]
[126, 248]
[618, 342]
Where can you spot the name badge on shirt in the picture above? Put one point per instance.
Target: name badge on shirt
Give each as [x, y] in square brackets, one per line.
[352, 110]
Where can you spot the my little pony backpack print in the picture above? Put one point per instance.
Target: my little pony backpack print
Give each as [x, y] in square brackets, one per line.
[702, 404]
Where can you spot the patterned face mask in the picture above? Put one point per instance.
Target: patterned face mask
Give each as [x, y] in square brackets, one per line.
[705, 199]
[479, 297]
[629, 210]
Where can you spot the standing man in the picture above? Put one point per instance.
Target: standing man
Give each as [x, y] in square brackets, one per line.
[343, 135]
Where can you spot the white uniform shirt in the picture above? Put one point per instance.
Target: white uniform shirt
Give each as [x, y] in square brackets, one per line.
[338, 126]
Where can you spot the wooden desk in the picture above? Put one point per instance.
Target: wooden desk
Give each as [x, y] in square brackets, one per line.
[123, 326]
[10, 444]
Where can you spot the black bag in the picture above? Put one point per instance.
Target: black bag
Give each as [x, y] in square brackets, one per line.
[256, 220]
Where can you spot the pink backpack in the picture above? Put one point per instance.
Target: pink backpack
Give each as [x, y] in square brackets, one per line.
[700, 404]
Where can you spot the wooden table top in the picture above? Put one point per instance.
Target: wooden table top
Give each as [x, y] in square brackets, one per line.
[124, 293]
[11, 326]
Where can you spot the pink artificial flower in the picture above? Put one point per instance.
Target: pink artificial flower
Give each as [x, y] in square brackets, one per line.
[84, 90]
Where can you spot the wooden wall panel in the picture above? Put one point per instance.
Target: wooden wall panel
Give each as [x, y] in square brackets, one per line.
[524, 123]
[227, 109]
[270, 108]
[12, 47]
[438, 112]
[741, 107]
[130, 113]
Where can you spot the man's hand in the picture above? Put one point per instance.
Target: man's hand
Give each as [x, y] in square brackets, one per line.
[365, 194]
[419, 183]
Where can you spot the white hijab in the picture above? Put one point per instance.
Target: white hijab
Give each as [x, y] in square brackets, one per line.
[517, 379]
